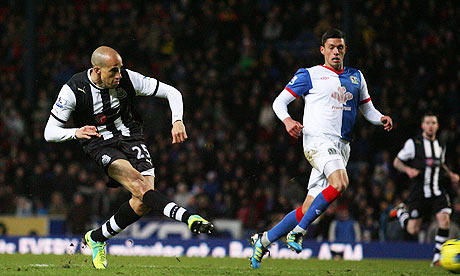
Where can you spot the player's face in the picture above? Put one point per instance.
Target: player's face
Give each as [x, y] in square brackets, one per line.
[430, 126]
[111, 73]
[333, 51]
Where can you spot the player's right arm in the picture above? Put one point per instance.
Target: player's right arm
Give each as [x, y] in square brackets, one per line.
[60, 113]
[299, 85]
[406, 153]
[280, 104]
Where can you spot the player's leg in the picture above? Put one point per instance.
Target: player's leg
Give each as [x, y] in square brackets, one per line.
[442, 236]
[142, 187]
[316, 183]
[413, 225]
[128, 213]
[443, 217]
[330, 159]
[288, 222]
[401, 213]
[260, 243]
[338, 182]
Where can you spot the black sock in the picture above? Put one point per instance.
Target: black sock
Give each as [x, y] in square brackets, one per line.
[440, 238]
[117, 223]
[159, 203]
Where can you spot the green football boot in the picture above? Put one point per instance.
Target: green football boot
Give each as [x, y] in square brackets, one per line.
[97, 250]
[198, 225]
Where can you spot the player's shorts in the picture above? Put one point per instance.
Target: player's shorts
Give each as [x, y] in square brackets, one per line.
[419, 207]
[320, 150]
[134, 150]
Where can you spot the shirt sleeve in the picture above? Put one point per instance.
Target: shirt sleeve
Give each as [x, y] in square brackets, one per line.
[371, 114]
[300, 84]
[64, 105]
[174, 98]
[408, 151]
[364, 96]
[55, 132]
[147, 86]
[280, 104]
[144, 86]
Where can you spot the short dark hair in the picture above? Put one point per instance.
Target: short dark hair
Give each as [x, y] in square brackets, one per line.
[429, 114]
[333, 33]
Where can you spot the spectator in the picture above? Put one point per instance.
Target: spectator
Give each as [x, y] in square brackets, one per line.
[57, 205]
[343, 228]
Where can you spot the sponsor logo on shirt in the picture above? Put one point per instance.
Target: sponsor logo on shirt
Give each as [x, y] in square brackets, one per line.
[100, 118]
[61, 102]
[105, 159]
[324, 78]
[342, 96]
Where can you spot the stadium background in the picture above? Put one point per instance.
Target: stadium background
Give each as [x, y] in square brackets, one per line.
[229, 59]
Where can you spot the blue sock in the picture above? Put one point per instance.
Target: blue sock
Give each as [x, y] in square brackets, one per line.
[319, 205]
[283, 227]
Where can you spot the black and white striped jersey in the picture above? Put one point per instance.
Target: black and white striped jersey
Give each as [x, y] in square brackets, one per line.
[428, 157]
[112, 111]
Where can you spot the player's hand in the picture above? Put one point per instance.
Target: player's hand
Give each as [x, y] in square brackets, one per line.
[411, 172]
[86, 132]
[178, 132]
[387, 123]
[454, 177]
[293, 127]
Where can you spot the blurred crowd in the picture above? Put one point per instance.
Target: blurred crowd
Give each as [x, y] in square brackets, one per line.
[229, 59]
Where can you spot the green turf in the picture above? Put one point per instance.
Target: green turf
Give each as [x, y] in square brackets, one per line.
[80, 265]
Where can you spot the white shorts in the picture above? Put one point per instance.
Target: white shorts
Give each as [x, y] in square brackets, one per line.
[320, 150]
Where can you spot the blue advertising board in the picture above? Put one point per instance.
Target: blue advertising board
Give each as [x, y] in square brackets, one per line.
[196, 247]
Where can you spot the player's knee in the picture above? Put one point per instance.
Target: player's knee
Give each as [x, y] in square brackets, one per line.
[341, 184]
[413, 229]
[444, 221]
[339, 180]
[139, 185]
[139, 207]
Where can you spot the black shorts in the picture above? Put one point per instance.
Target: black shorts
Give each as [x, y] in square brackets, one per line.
[104, 152]
[420, 207]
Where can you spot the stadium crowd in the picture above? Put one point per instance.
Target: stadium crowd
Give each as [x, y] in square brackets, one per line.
[229, 59]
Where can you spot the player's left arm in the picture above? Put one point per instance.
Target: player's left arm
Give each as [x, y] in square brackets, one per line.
[369, 111]
[146, 86]
[454, 177]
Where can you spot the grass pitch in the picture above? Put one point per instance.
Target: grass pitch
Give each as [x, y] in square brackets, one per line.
[78, 264]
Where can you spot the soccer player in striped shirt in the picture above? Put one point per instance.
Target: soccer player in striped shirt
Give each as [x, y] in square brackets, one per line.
[110, 130]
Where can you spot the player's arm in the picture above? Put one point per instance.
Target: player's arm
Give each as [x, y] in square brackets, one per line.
[280, 104]
[454, 177]
[299, 85]
[406, 153]
[374, 116]
[60, 113]
[369, 111]
[146, 86]
[400, 166]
